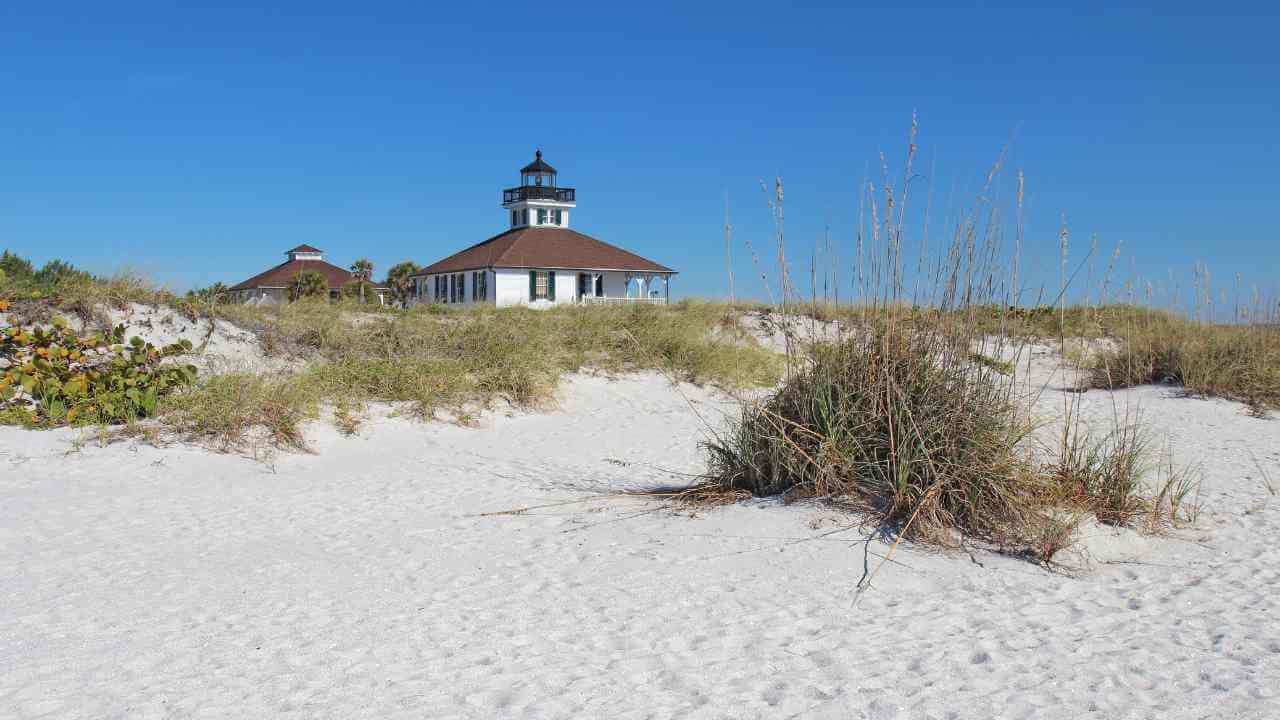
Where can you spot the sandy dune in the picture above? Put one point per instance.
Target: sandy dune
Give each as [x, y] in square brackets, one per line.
[364, 581]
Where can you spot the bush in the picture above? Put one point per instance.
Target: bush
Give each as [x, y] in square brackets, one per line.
[904, 424]
[55, 377]
[308, 285]
[900, 423]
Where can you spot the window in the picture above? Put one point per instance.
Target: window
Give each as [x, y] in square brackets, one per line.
[515, 218]
[479, 286]
[524, 216]
[542, 285]
[439, 294]
[542, 216]
[557, 218]
[458, 288]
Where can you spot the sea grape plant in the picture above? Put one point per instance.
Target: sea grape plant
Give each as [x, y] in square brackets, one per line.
[54, 376]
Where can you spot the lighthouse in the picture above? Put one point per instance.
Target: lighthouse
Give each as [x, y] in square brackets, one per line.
[537, 201]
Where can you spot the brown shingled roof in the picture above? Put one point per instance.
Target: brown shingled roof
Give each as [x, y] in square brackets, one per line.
[304, 249]
[281, 275]
[544, 247]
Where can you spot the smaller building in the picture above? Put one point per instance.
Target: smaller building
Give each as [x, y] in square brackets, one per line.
[272, 287]
[539, 261]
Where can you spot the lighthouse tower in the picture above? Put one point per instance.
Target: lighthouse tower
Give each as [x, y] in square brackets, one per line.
[537, 202]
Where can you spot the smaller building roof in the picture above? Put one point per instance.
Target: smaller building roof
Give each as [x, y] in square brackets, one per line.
[537, 166]
[281, 275]
[304, 249]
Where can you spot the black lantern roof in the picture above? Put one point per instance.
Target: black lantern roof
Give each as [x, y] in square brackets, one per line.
[538, 166]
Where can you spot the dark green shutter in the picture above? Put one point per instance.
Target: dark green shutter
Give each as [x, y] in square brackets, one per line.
[551, 285]
[533, 285]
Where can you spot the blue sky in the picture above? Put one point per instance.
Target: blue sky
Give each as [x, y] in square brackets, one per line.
[198, 143]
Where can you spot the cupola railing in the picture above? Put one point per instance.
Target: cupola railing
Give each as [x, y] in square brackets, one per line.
[537, 192]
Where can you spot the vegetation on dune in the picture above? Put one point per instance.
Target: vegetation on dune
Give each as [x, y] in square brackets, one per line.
[431, 357]
[308, 285]
[909, 415]
[1239, 361]
[225, 410]
[55, 376]
[359, 290]
[398, 280]
[454, 362]
[900, 423]
[362, 271]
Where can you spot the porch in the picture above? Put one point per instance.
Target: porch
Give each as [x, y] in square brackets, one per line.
[621, 300]
[614, 287]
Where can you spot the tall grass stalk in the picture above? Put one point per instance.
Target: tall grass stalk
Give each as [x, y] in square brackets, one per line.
[909, 415]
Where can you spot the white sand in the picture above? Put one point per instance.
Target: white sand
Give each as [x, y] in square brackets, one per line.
[218, 346]
[360, 582]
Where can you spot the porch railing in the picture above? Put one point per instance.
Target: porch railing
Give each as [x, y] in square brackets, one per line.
[622, 300]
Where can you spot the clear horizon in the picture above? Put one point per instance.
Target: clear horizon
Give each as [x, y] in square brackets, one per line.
[197, 145]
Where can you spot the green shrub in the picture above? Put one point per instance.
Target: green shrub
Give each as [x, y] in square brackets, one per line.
[54, 376]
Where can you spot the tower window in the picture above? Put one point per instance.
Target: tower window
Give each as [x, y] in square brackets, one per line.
[515, 218]
[557, 218]
[542, 216]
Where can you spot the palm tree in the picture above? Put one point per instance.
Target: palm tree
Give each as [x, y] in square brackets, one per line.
[215, 294]
[357, 289]
[362, 269]
[308, 284]
[400, 282]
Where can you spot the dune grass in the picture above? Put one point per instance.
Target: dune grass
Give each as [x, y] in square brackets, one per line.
[901, 424]
[910, 415]
[905, 424]
[457, 362]
[1236, 361]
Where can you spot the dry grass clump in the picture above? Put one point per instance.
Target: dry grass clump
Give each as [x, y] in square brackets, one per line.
[1238, 362]
[909, 415]
[456, 361]
[1107, 474]
[227, 409]
[1055, 322]
[899, 421]
[903, 425]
